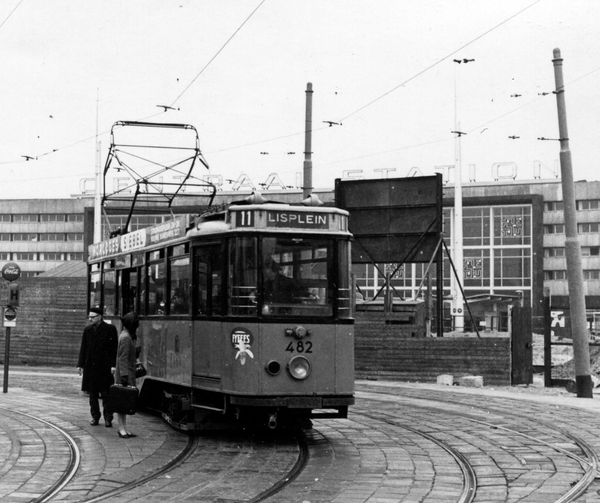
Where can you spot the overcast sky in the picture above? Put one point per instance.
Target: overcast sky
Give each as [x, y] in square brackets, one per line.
[238, 70]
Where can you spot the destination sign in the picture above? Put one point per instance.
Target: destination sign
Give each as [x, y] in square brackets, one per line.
[298, 220]
[139, 239]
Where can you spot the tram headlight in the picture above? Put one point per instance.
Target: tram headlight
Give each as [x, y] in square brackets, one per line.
[299, 367]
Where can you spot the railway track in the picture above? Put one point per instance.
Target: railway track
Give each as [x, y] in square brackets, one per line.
[497, 452]
[399, 443]
[63, 455]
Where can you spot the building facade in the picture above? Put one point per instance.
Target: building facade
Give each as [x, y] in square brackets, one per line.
[513, 245]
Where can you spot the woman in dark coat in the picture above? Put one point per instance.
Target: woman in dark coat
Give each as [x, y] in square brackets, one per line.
[125, 370]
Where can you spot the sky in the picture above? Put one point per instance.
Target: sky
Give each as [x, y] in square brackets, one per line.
[237, 71]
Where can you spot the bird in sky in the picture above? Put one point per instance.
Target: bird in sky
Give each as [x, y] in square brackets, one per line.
[464, 60]
[166, 107]
[333, 123]
[516, 95]
[28, 157]
[514, 137]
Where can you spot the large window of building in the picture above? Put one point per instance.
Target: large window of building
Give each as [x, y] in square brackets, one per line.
[554, 252]
[476, 226]
[24, 256]
[588, 204]
[512, 225]
[24, 236]
[52, 236]
[591, 274]
[554, 229]
[554, 206]
[590, 251]
[555, 275]
[52, 217]
[588, 227]
[24, 217]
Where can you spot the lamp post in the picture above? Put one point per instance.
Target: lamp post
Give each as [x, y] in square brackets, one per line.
[458, 311]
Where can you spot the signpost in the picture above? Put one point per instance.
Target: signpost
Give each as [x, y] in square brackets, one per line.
[10, 295]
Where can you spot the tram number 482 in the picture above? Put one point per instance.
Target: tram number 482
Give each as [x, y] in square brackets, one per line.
[299, 347]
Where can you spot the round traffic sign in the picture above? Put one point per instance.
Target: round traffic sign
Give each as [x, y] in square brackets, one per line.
[11, 271]
[10, 314]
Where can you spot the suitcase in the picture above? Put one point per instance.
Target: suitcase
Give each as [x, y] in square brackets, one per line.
[123, 399]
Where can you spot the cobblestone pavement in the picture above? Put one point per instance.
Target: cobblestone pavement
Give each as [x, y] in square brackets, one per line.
[370, 457]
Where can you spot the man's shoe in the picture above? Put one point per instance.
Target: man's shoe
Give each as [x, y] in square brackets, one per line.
[108, 424]
[94, 422]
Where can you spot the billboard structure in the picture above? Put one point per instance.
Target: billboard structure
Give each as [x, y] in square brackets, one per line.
[396, 220]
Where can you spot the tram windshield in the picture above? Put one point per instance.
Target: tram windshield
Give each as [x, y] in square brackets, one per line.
[284, 276]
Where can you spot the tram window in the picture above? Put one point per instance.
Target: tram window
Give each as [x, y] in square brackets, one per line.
[95, 286]
[343, 284]
[180, 282]
[155, 283]
[110, 297]
[297, 276]
[128, 289]
[209, 281]
[243, 276]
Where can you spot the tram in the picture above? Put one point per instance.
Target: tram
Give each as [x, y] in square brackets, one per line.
[245, 313]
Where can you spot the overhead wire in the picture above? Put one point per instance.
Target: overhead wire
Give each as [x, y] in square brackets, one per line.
[11, 13]
[150, 116]
[438, 62]
[217, 53]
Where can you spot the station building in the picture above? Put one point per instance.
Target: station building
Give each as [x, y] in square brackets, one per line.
[513, 244]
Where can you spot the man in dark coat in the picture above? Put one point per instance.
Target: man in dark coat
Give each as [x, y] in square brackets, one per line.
[97, 360]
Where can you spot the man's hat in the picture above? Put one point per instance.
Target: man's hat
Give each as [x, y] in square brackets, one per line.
[96, 310]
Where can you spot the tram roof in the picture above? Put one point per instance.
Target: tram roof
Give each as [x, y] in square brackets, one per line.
[243, 216]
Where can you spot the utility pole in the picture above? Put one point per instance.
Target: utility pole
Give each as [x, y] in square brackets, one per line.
[579, 330]
[98, 174]
[307, 183]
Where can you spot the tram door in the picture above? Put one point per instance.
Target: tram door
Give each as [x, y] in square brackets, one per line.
[208, 307]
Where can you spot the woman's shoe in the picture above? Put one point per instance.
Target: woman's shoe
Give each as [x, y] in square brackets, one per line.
[124, 435]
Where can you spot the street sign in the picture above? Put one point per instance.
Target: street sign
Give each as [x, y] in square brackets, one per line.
[13, 294]
[11, 271]
[10, 317]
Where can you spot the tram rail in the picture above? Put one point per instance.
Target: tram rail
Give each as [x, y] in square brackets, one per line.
[72, 464]
[555, 438]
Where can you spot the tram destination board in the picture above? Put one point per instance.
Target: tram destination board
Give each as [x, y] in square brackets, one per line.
[393, 219]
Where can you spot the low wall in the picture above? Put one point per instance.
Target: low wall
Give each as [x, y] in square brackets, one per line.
[52, 317]
[50, 321]
[390, 352]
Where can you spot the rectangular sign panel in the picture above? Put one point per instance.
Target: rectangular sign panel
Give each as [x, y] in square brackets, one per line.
[392, 219]
[139, 239]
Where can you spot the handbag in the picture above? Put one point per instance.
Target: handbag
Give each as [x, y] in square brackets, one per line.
[123, 399]
[140, 370]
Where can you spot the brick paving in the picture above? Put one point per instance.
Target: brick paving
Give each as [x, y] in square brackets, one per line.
[352, 461]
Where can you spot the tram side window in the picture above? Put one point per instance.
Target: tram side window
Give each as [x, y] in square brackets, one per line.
[155, 281]
[209, 281]
[110, 292]
[95, 286]
[129, 290]
[180, 285]
[243, 276]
